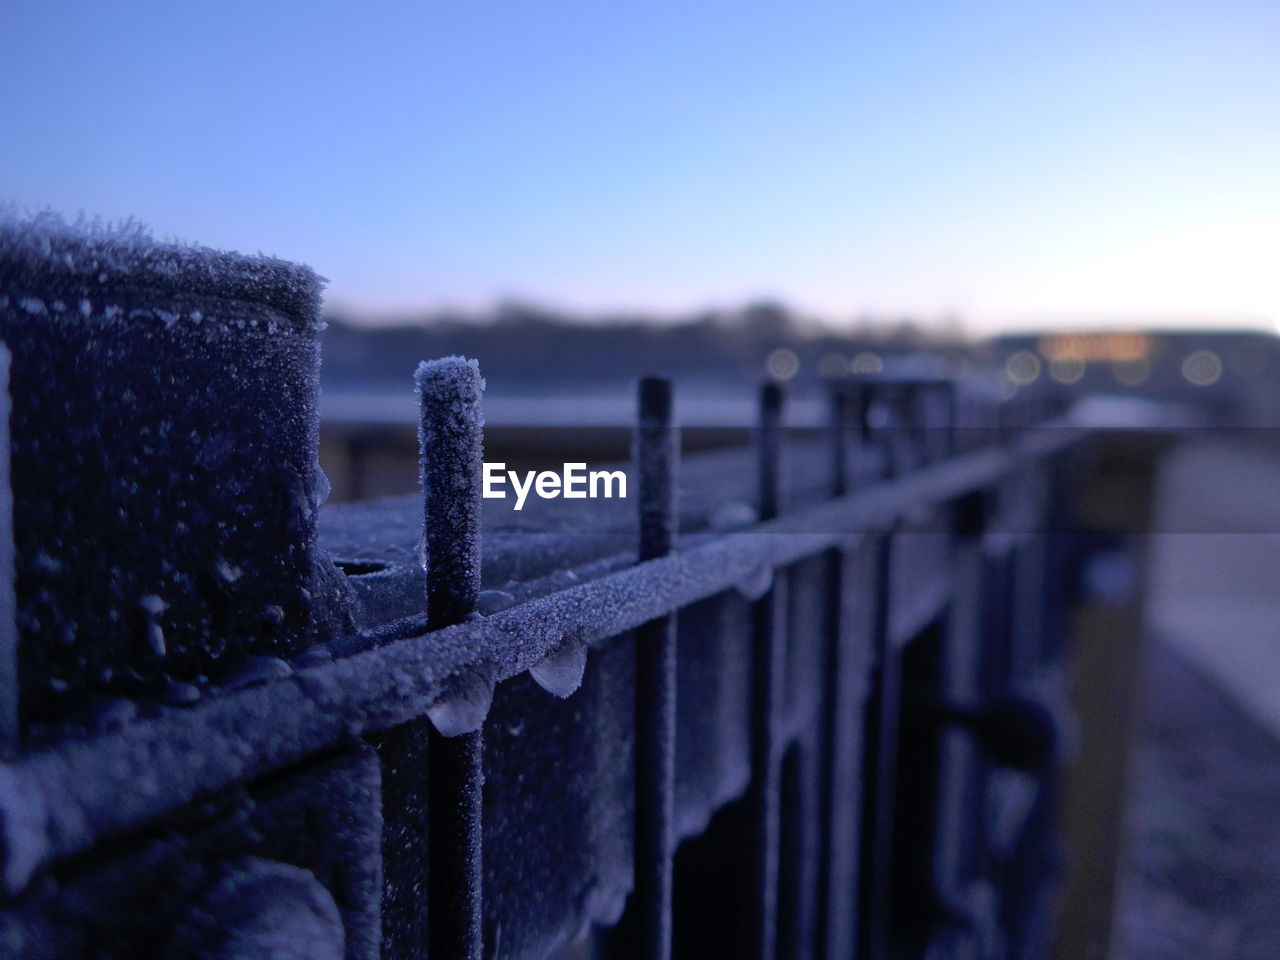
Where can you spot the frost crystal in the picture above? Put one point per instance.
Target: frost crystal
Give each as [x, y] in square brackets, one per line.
[125, 254]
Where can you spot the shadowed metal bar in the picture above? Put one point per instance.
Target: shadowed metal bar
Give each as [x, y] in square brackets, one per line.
[956, 855]
[881, 759]
[454, 890]
[452, 451]
[8, 601]
[767, 678]
[657, 459]
[770, 453]
[893, 433]
[838, 423]
[950, 418]
[838, 745]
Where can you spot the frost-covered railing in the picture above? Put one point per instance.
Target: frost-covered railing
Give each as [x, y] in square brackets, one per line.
[804, 726]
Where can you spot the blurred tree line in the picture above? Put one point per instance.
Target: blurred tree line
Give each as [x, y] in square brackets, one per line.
[520, 345]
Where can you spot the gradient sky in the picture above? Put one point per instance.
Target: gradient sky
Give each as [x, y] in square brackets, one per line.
[1008, 162]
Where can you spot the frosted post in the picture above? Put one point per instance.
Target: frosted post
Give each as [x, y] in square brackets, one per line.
[656, 456]
[452, 449]
[770, 487]
[163, 463]
[657, 444]
[451, 453]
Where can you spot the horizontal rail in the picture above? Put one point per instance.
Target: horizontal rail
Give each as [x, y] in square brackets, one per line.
[56, 801]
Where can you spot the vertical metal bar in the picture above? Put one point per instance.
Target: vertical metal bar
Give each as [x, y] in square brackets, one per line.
[849, 628]
[768, 664]
[8, 600]
[859, 401]
[1029, 592]
[917, 414]
[454, 846]
[432, 784]
[770, 451]
[451, 450]
[405, 918]
[838, 420]
[957, 796]
[1107, 634]
[892, 434]
[915, 417]
[657, 454]
[657, 459]
[878, 821]
[882, 741]
[801, 838]
[835, 892]
[942, 437]
[962, 796]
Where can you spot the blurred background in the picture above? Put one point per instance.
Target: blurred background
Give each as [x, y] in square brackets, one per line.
[578, 194]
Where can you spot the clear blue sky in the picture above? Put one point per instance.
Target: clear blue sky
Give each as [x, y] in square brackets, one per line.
[1006, 161]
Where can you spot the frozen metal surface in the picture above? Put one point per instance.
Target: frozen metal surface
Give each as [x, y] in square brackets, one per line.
[616, 723]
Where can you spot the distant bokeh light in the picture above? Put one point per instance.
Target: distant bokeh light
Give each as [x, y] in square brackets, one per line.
[867, 362]
[1202, 368]
[1023, 367]
[1117, 347]
[783, 364]
[1067, 370]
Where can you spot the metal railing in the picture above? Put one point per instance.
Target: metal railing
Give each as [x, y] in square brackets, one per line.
[809, 597]
[818, 724]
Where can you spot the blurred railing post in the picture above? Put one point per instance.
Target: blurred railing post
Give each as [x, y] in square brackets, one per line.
[841, 741]
[891, 435]
[1112, 496]
[657, 456]
[767, 673]
[8, 599]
